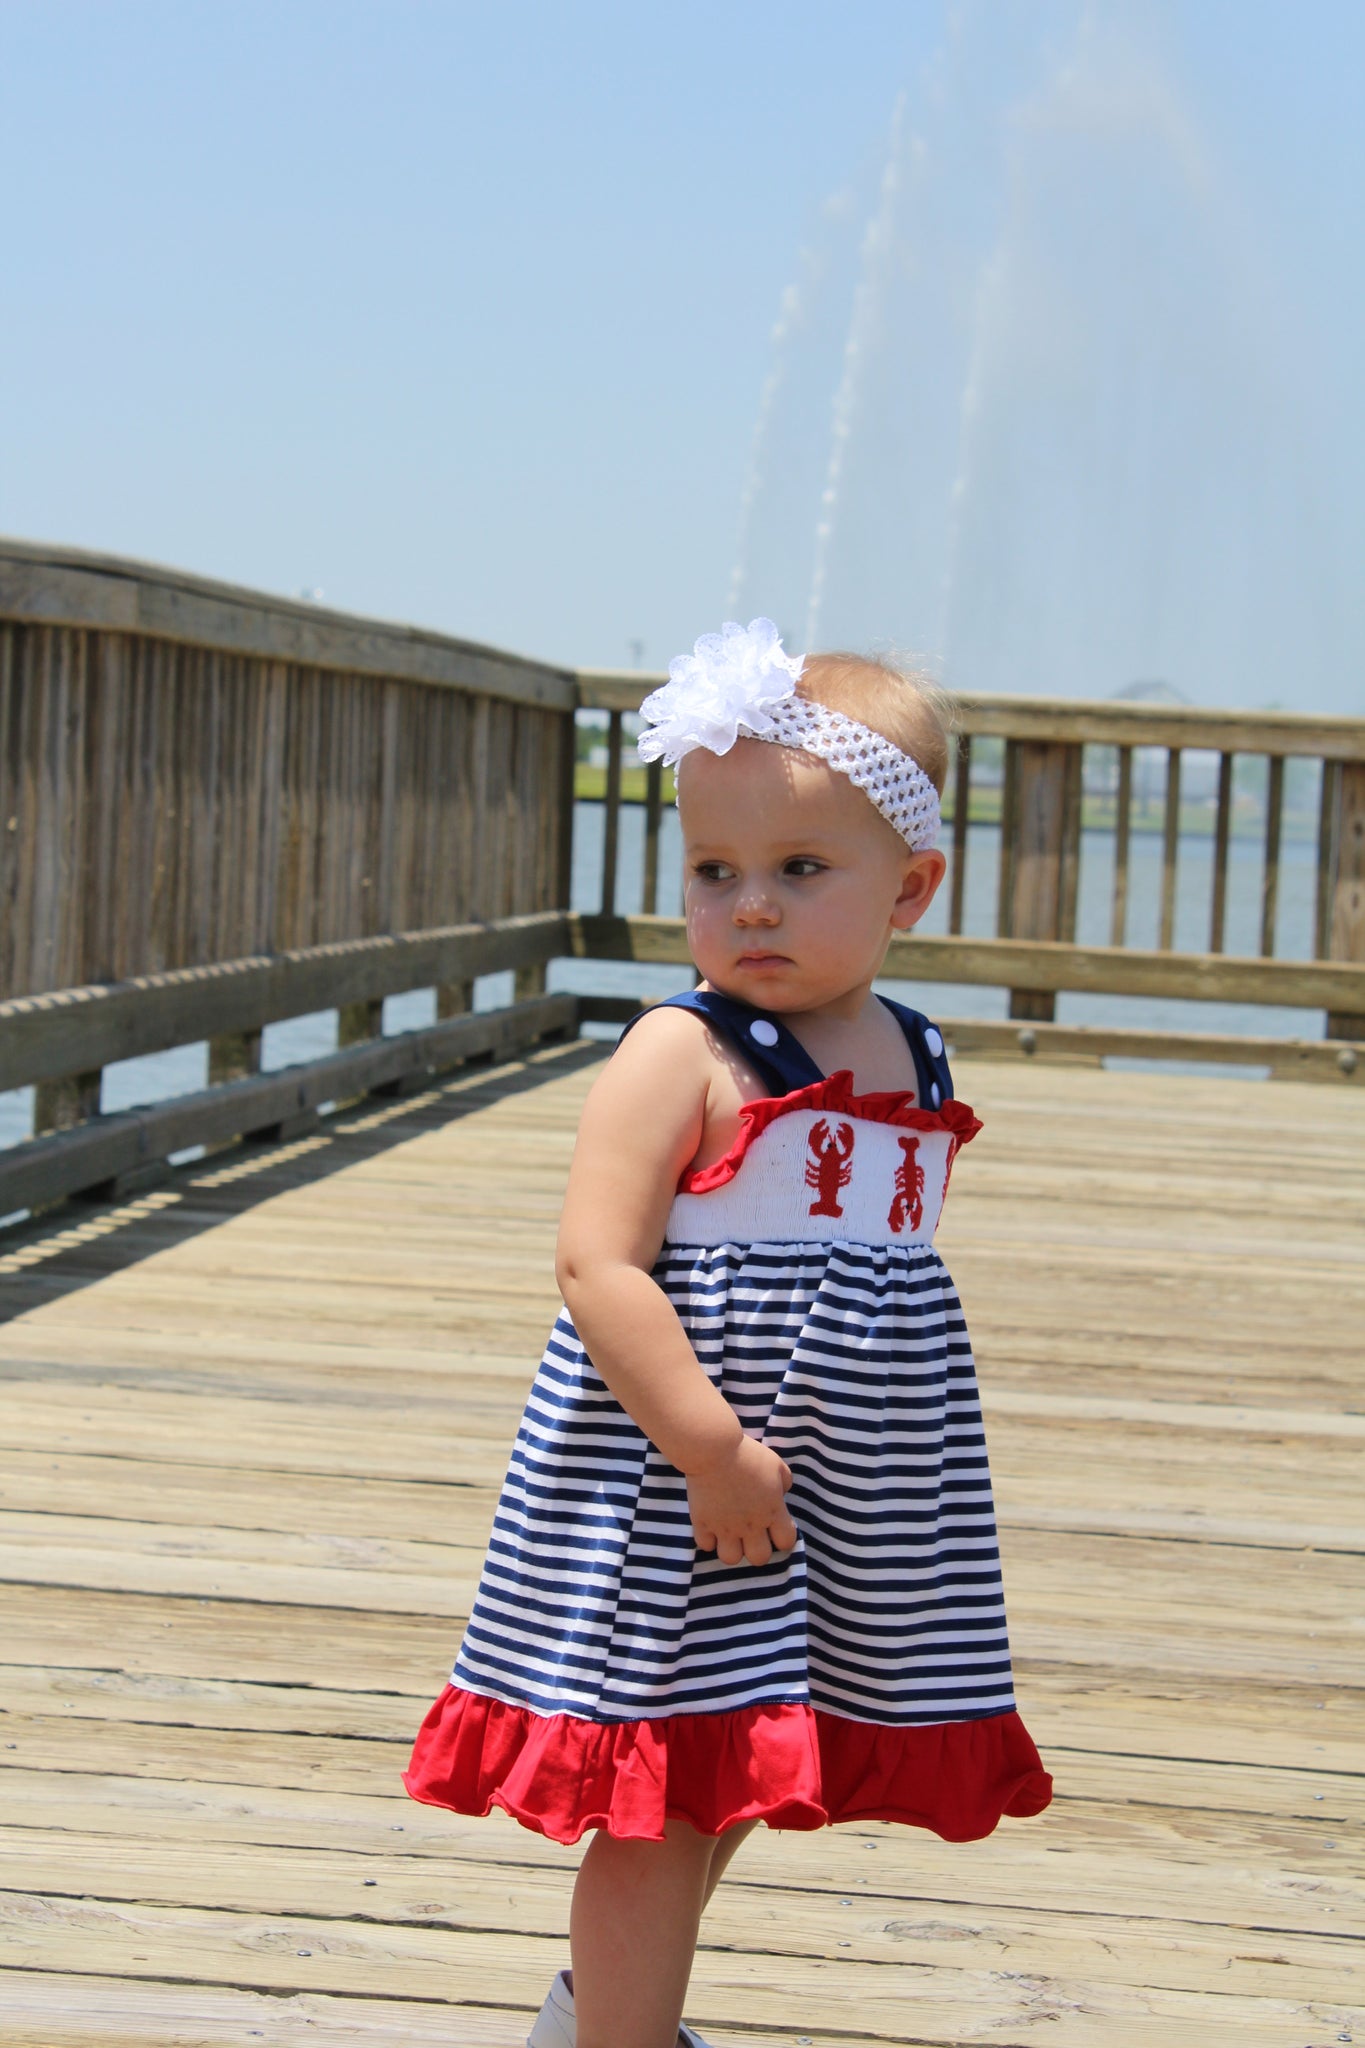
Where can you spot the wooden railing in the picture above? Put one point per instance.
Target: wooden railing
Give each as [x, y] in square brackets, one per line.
[1027, 767]
[219, 811]
[193, 774]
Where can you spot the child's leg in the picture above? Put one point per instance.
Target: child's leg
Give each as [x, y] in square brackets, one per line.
[723, 1848]
[633, 1932]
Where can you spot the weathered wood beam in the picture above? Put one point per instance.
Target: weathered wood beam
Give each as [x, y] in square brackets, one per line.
[71, 587]
[1095, 722]
[1288, 1059]
[110, 1148]
[1292, 1059]
[1036, 964]
[47, 1037]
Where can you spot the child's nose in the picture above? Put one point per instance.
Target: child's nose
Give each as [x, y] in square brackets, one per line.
[753, 905]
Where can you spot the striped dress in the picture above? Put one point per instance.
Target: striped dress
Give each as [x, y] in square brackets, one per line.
[613, 1675]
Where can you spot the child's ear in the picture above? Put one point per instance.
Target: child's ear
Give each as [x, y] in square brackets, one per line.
[919, 885]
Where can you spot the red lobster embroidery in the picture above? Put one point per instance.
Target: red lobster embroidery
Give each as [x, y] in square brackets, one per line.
[830, 1166]
[907, 1204]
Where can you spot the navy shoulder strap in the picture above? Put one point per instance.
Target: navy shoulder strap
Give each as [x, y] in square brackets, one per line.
[779, 1058]
[926, 1046]
[782, 1062]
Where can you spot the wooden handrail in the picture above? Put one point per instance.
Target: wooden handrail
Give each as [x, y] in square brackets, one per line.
[1040, 788]
[76, 1030]
[115, 1154]
[54, 586]
[1039, 966]
[1084, 721]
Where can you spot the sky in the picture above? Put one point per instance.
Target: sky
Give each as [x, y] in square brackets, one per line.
[1022, 338]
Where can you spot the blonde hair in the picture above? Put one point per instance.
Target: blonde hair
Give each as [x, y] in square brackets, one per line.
[904, 705]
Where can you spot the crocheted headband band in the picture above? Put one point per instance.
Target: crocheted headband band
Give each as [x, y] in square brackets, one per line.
[738, 683]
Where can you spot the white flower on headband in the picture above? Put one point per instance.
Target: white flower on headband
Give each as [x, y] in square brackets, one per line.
[739, 681]
[729, 684]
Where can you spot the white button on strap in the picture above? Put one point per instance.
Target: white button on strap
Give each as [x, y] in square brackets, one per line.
[934, 1040]
[762, 1032]
[935, 1093]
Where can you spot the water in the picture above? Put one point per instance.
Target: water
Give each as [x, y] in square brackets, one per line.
[181, 1071]
[1039, 409]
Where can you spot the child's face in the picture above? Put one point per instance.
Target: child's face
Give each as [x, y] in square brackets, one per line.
[794, 883]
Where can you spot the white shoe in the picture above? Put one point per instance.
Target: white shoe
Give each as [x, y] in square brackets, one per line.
[556, 2027]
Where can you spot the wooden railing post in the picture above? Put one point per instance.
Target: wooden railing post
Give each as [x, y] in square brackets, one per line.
[1222, 839]
[611, 822]
[454, 999]
[1270, 874]
[1346, 939]
[1170, 849]
[358, 1021]
[962, 797]
[61, 1105]
[233, 1056]
[1123, 806]
[1042, 820]
[654, 784]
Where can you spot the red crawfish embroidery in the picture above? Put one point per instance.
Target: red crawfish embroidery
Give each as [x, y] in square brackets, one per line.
[830, 1166]
[907, 1203]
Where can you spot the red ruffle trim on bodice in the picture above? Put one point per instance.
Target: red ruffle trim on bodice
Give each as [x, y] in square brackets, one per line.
[835, 1094]
[791, 1766]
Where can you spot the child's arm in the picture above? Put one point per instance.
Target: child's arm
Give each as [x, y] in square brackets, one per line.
[641, 1125]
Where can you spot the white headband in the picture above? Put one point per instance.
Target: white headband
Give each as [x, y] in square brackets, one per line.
[738, 683]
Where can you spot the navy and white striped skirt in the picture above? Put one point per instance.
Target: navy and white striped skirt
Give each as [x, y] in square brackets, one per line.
[613, 1675]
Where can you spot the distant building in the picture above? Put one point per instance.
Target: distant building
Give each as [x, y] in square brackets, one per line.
[1151, 692]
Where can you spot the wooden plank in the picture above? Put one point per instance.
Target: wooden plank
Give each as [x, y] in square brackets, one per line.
[51, 1035]
[73, 587]
[959, 1998]
[1035, 964]
[758, 1918]
[47, 2010]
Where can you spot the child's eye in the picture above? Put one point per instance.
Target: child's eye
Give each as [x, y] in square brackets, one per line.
[713, 871]
[803, 864]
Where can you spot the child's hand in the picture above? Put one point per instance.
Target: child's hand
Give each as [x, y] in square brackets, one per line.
[737, 1505]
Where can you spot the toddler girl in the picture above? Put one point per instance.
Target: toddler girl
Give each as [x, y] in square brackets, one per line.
[744, 1564]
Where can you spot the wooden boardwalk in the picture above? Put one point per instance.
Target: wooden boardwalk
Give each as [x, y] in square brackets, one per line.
[252, 1430]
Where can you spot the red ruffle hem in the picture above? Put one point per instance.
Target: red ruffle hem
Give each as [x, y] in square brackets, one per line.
[791, 1766]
